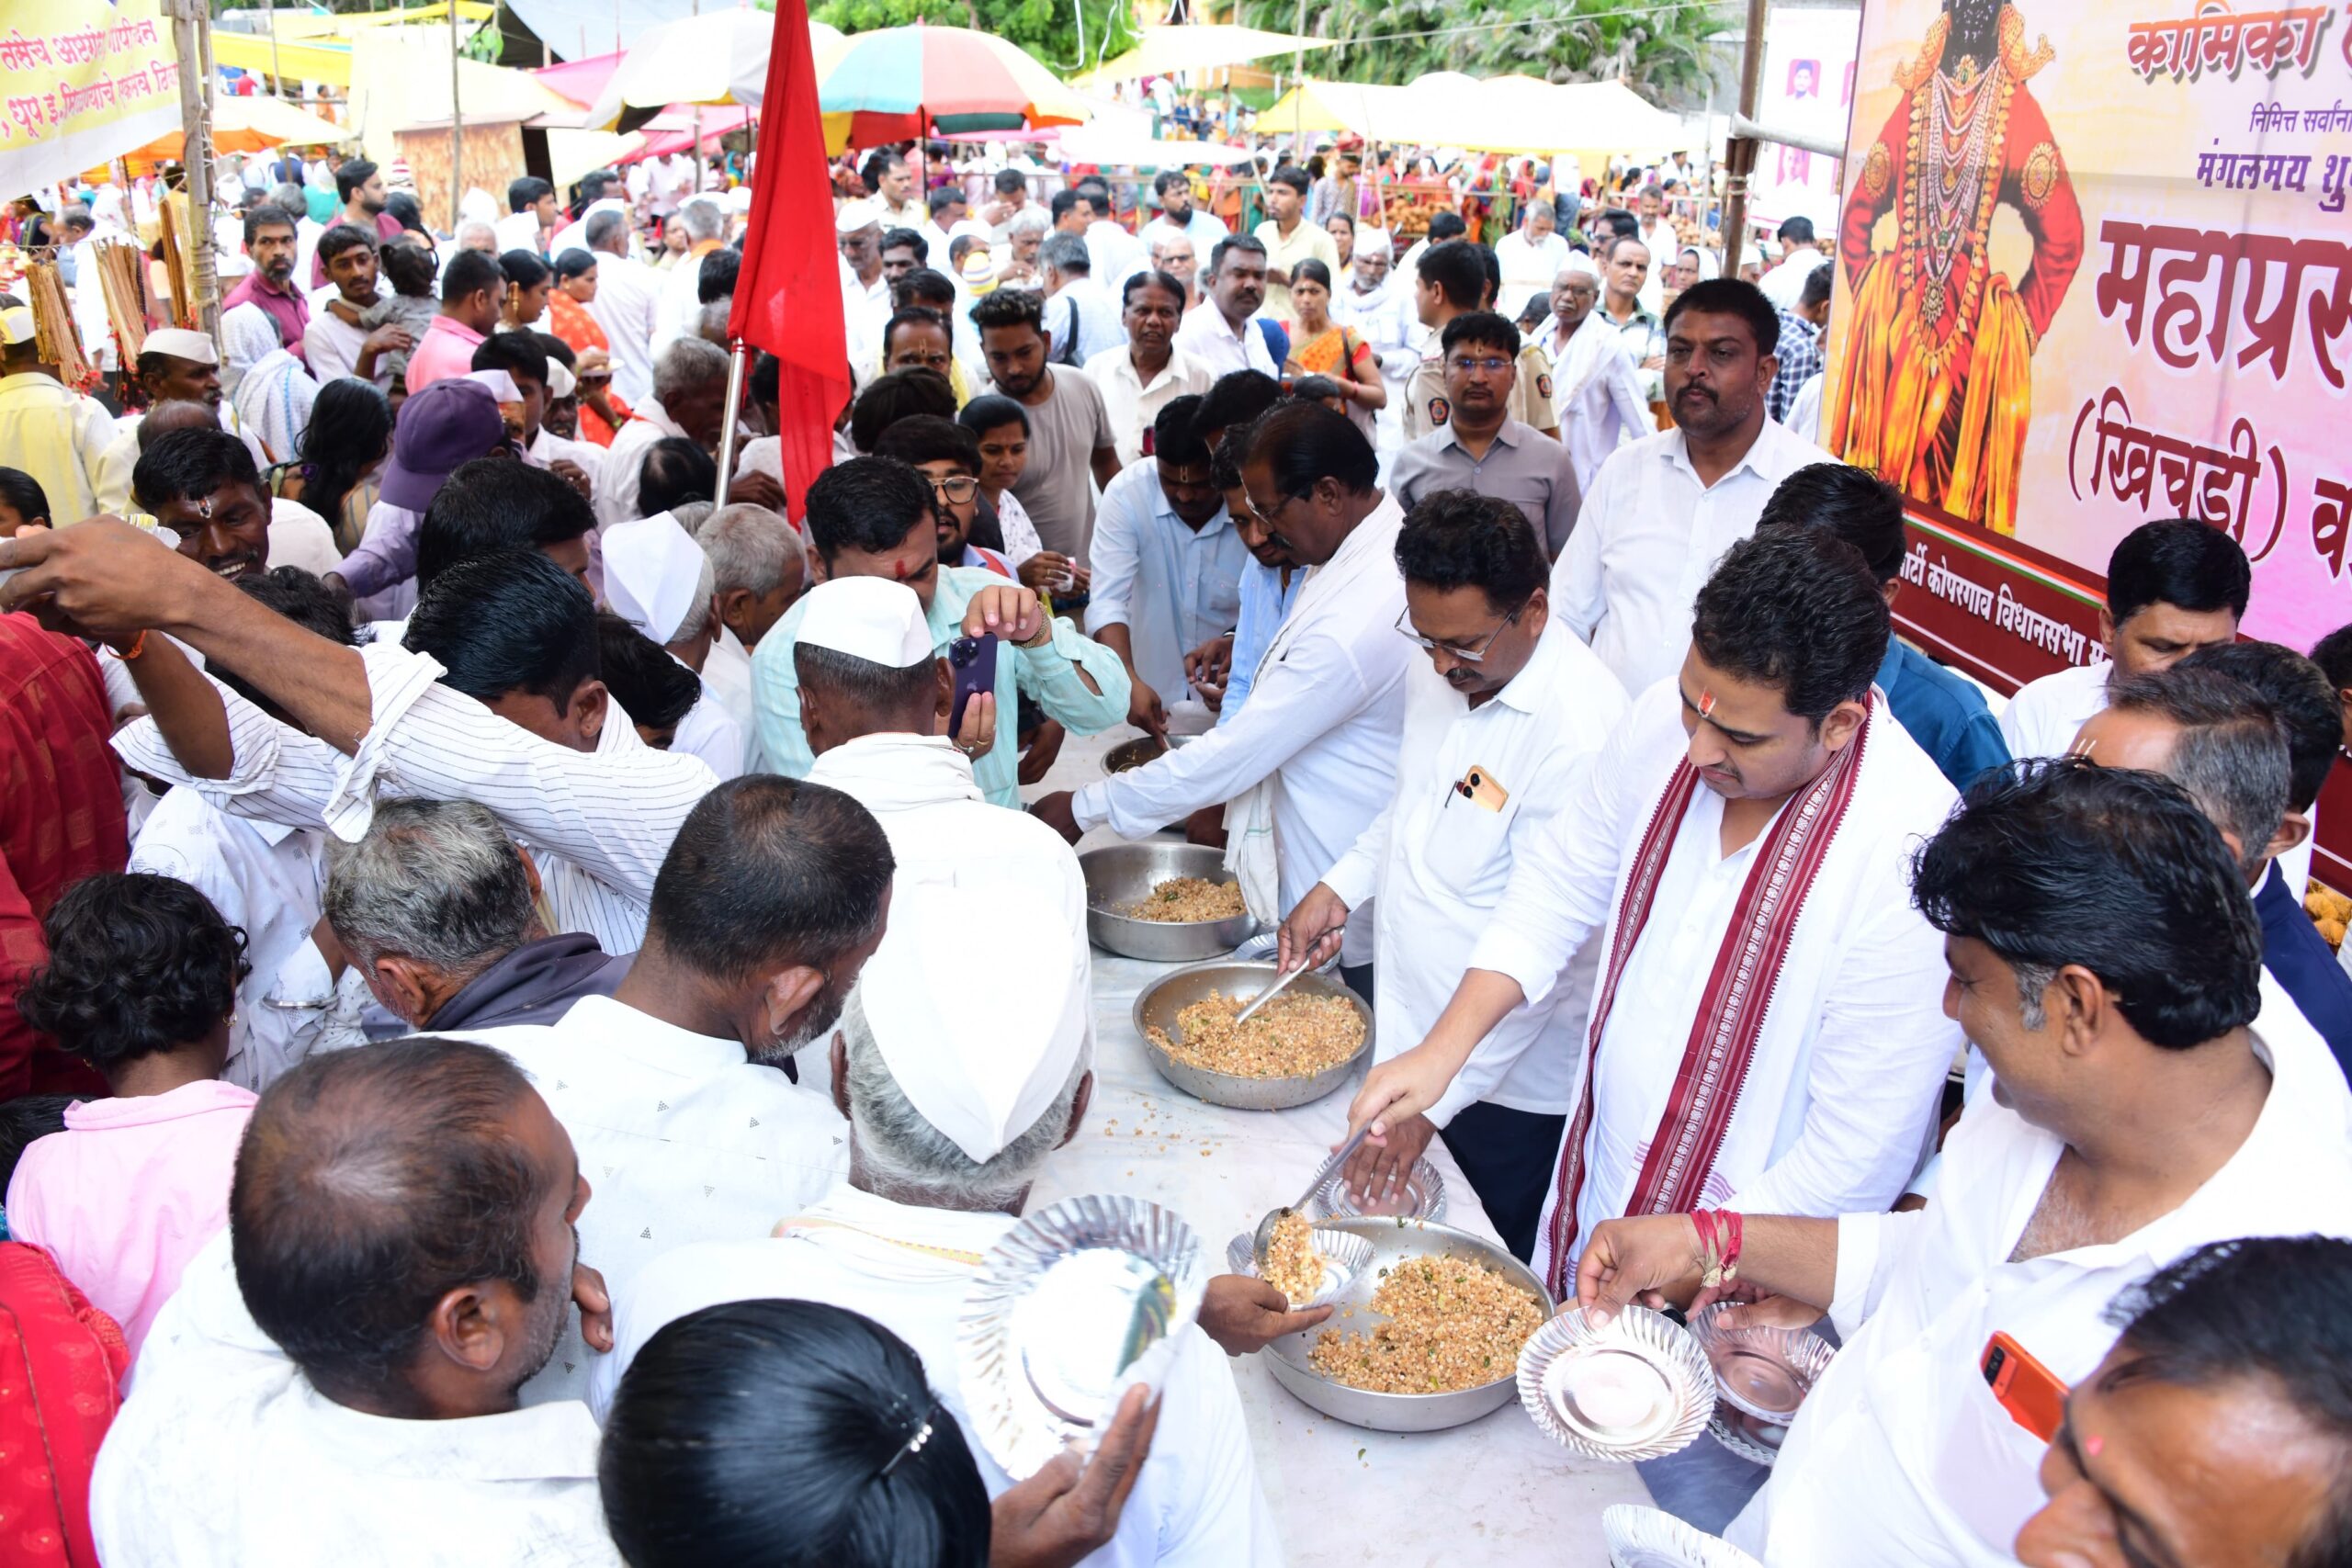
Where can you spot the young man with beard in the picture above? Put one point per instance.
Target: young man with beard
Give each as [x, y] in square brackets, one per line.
[1663, 510]
[1767, 1023]
[335, 344]
[1069, 430]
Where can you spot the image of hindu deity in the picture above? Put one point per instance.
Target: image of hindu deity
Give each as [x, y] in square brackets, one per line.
[1934, 388]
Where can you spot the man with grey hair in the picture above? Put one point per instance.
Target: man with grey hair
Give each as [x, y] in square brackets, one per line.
[758, 568]
[945, 1142]
[1173, 252]
[689, 400]
[1080, 317]
[476, 235]
[626, 291]
[438, 910]
[674, 313]
[1024, 237]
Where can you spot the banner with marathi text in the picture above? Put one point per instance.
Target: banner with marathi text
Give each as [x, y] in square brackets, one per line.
[80, 81]
[2095, 268]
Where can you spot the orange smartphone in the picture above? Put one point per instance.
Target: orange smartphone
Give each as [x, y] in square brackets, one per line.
[2028, 1390]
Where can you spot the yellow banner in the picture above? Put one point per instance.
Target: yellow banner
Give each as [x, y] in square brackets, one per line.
[80, 82]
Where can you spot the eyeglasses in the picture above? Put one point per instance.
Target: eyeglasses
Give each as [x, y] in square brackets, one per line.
[1476, 655]
[1479, 366]
[957, 490]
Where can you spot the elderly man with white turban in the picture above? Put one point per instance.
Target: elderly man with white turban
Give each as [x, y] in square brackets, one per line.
[660, 581]
[1595, 386]
[1381, 312]
[961, 1064]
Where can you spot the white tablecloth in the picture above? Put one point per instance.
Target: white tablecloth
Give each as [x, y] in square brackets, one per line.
[1495, 1490]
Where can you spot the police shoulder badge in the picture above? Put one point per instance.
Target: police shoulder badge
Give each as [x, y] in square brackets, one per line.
[1544, 387]
[1440, 410]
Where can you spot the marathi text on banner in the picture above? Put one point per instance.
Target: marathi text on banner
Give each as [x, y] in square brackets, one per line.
[80, 81]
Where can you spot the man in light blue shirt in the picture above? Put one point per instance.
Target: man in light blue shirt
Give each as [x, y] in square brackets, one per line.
[1168, 564]
[872, 517]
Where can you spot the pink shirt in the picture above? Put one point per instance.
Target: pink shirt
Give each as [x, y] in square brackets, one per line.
[445, 350]
[130, 1191]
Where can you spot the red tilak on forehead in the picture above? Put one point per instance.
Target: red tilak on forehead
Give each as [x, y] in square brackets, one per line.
[898, 569]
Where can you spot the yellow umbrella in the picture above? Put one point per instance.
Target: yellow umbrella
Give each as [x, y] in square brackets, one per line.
[311, 61]
[1166, 49]
[719, 57]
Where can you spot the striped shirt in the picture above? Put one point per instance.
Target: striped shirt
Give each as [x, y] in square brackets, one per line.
[597, 823]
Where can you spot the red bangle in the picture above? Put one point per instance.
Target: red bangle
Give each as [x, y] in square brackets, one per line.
[1735, 1233]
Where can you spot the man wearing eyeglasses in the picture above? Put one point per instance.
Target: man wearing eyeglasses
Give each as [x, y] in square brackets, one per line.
[1500, 718]
[1480, 446]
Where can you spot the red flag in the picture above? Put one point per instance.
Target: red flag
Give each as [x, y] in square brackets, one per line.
[788, 295]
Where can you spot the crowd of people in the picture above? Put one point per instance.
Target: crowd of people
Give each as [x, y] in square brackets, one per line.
[526, 996]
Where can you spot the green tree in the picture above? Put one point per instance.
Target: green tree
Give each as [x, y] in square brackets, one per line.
[1658, 47]
[1047, 28]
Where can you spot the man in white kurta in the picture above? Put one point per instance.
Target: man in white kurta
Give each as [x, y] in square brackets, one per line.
[1771, 1021]
[938, 1117]
[1596, 391]
[1438, 858]
[1308, 763]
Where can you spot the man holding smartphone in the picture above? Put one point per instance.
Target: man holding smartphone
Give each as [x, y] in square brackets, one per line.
[874, 517]
[2105, 958]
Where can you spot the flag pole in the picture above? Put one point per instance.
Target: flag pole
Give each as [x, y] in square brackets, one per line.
[734, 414]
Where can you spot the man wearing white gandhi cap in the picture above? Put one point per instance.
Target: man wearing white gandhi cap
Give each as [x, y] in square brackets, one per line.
[872, 701]
[961, 1066]
[659, 580]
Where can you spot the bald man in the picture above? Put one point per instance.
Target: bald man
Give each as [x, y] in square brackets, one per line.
[399, 1260]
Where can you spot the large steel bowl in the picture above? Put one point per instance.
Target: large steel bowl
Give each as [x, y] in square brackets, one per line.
[1120, 875]
[1393, 1240]
[1160, 1001]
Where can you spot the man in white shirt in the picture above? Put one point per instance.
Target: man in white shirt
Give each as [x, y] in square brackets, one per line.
[2172, 588]
[1662, 511]
[2105, 959]
[866, 299]
[531, 214]
[626, 291]
[1305, 768]
[1167, 565]
[1145, 374]
[1596, 392]
[493, 698]
[1784, 285]
[678, 307]
[1080, 315]
[1289, 237]
[1501, 722]
[758, 568]
[579, 464]
[1218, 332]
[335, 344]
[689, 400]
[1801, 1073]
[772, 898]
[56, 436]
[399, 1260]
[945, 1145]
[1379, 303]
[1178, 216]
[658, 579]
[1530, 256]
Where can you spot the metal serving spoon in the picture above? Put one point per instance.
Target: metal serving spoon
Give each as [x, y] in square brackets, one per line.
[1265, 1231]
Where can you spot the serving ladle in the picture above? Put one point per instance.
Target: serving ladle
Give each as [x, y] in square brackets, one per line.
[1264, 1235]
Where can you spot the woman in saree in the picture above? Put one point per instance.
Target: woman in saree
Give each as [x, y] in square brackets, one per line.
[1318, 346]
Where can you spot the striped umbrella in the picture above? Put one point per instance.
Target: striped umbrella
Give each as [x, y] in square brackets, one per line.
[908, 82]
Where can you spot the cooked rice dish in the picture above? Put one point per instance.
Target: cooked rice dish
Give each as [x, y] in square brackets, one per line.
[1452, 1323]
[1187, 900]
[1291, 1037]
[1292, 1266]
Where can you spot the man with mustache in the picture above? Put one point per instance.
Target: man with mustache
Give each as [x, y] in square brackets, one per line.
[1664, 510]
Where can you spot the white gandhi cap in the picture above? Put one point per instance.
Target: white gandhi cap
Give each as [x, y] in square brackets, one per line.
[866, 617]
[980, 1032]
[181, 344]
[653, 574]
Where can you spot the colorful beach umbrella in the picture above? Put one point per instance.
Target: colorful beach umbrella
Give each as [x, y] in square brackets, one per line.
[908, 82]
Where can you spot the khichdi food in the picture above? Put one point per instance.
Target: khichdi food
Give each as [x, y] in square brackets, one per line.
[1291, 1037]
[1452, 1323]
[1189, 900]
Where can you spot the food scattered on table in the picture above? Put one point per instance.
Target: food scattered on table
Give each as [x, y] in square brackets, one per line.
[1291, 1037]
[2330, 911]
[1292, 1266]
[1189, 900]
[1452, 1323]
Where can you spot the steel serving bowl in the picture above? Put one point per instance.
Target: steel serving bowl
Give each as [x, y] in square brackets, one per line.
[1392, 1241]
[1160, 1001]
[1144, 749]
[1120, 875]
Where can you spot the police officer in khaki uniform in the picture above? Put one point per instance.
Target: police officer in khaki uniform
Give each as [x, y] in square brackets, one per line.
[1456, 277]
